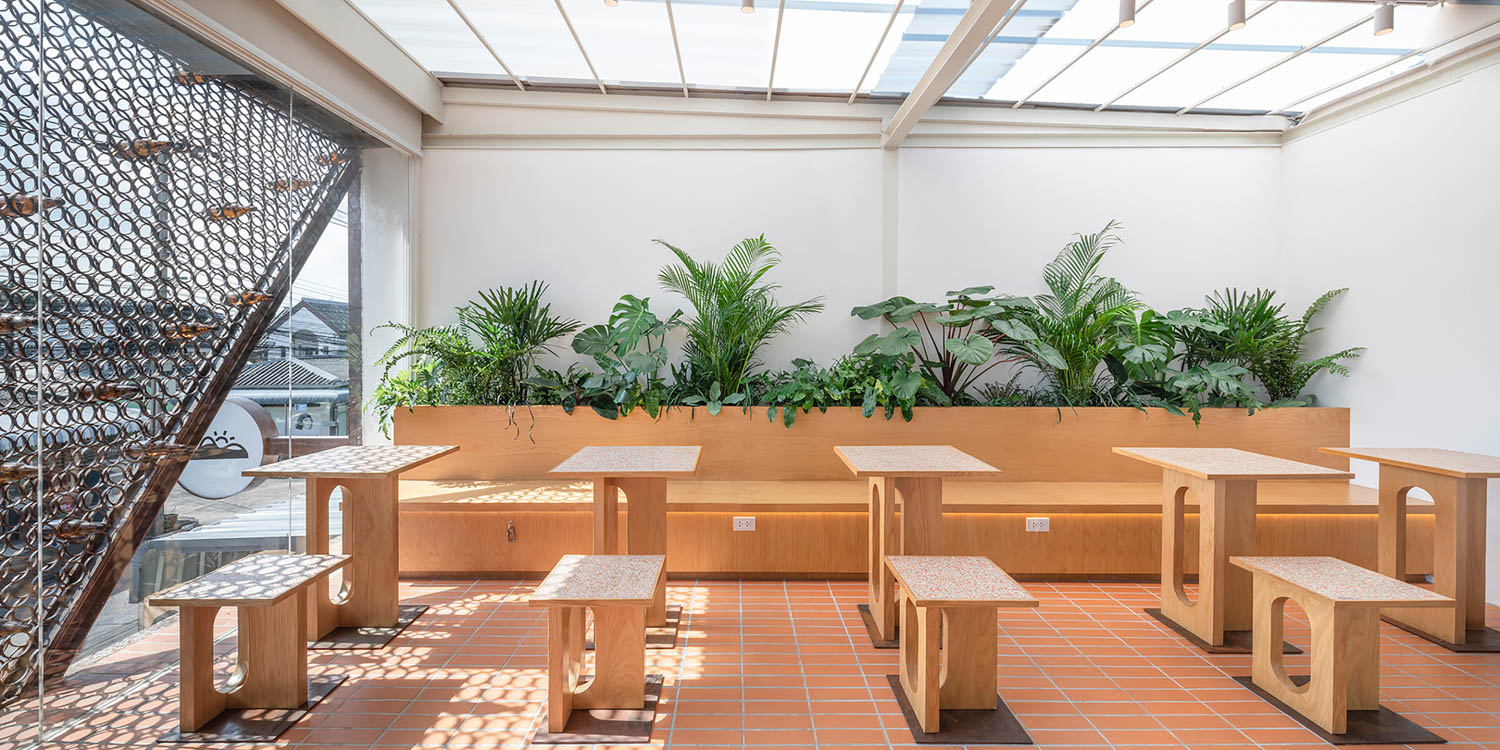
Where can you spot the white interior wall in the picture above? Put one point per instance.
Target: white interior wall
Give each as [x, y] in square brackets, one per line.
[1399, 205]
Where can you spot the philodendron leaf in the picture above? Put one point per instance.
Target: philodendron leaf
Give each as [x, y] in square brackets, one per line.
[905, 385]
[957, 318]
[869, 312]
[734, 398]
[593, 340]
[1014, 329]
[907, 312]
[973, 349]
[714, 407]
[893, 343]
[715, 392]
[973, 291]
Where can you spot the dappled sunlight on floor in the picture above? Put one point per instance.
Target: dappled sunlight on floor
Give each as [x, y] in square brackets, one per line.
[772, 664]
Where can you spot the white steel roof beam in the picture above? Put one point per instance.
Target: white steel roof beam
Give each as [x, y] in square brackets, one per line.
[581, 50]
[972, 31]
[480, 36]
[677, 49]
[775, 48]
[1074, 61]
[1277, 64]
[876, 52]
[1216, 37]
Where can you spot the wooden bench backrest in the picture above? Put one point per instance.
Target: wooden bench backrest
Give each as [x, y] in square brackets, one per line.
[1027, 444]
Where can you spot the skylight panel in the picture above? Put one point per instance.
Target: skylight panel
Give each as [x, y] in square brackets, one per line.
[531, 37]
[723, 48]
[826, 45]
[432, 33]
[630, 43]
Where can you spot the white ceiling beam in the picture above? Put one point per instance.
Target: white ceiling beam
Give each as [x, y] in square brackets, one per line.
[1075, 59]
[1174, 63]
[1342, 31]
[775, 49]
[972, 31]
[876, 52]
[486, 42]
[677, 49]
[581, 50]
[1386, 64]
[993, 36]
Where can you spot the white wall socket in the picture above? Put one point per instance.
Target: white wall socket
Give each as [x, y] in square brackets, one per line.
[744, 523]
[1042, 523]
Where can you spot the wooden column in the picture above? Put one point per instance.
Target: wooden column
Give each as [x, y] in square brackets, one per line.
[646, 532]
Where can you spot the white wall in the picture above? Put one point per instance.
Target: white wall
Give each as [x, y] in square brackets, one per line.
[1400, 205]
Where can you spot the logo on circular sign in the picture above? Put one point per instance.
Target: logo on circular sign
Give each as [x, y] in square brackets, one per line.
[236, 441]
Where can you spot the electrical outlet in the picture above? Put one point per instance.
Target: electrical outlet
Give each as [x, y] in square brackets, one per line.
[744, 523]
[1042, 523]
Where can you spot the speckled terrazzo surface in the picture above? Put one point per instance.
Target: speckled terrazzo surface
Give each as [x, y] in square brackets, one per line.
[1437, 460]
[258, 579]
[354, 461]
[1338, 580]
[585, 578]
[943, 578]
[1231, 463]
[911, 460]
[630, 460]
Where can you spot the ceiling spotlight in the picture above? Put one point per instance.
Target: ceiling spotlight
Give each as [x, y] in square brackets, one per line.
[747, 6]
[1236, 14]
[611, 3]
[1127, 13]
[1385, 18]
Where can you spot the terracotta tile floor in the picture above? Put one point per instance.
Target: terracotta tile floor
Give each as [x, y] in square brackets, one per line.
[778, 664]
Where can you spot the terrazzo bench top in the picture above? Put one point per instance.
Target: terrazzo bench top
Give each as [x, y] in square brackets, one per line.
[354, 462]
[630, 461]
[587, 580]
[955, 581]
[259, 580]
[935, 461]
[1342, 583]
[1436, 460]
[1230, 463]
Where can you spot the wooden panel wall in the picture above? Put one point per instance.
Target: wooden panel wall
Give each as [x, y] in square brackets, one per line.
[1080, 545]
[1028, 444]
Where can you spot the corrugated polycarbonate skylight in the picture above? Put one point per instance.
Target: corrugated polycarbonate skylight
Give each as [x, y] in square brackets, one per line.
[1290, 56]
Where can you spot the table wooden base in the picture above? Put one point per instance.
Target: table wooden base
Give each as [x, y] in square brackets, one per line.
[963, 726]
[920, 533]
[1226, 527]
[619, 661]
[646, 526]
[1363, 727]
[271, 672]
[875, 640]
[244, 725]
[1458, 550]
[607, 727]
[369, 597]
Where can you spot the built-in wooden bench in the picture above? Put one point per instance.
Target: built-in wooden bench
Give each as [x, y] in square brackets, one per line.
[489, 509]
[1342, 603]
[617, 589]
[270, 590]
[948, 631]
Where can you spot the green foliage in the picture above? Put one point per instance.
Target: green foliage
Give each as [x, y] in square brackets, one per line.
[735, 315]
[1257, 335]
[630, 351]
[1075, 324]
[485, 358]
[962, 347]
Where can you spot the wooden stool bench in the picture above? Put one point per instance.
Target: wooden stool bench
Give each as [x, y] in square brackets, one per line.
[1342, 602]
[270, 590]
[618, 589]
[952, 600]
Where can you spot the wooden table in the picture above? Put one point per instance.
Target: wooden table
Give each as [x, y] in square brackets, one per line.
[911, 475]
[368, 475]
[1224, 482]
[1456, 482]
[641, 472]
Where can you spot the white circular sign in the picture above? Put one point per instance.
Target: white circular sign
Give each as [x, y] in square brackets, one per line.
[236, 441]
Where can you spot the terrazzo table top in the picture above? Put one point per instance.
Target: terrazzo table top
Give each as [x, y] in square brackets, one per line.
[630, 461]
[1342, 582]
[1436, 460]
[1230, 463]
[354, 462]
[258, 580]
[913, 461]
[943, 580]
[580, 580]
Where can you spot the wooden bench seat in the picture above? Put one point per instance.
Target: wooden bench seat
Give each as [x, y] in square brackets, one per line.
[947, 608]
[618, 589]
[270, 590]
[1342, 603]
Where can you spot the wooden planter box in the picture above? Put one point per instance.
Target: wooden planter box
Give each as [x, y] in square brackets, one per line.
[1105, 510]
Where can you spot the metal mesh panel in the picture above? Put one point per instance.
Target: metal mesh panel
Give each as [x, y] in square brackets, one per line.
[151, 216]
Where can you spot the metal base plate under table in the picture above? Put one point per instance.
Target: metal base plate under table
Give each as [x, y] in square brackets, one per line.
[368, 638]
[1235, 641]
[257, 724]
[964, 726]
[875, 640]
[1476, 640]
[613, 726]
[1383, 727]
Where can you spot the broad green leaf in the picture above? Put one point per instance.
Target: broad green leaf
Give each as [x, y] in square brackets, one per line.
[593, 341]
[956, 318]
[1048, 354]
[868, 312]
[973, 291]
[898, 341]
[974, 349]
[1014, 329]
[907, 312]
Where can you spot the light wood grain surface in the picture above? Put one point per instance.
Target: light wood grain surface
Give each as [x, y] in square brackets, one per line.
[354, 462]
[1230, 463]
[941, 461]
[1435, 460]
[630, 461]
[256, 581]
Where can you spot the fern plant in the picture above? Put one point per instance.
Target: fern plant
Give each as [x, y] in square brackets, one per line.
[735, 314]
[1259, 336]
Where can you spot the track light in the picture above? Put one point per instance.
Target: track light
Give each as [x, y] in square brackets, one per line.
[747, 6]
[1127, 13]
[1236, 14]
[1385, 18]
